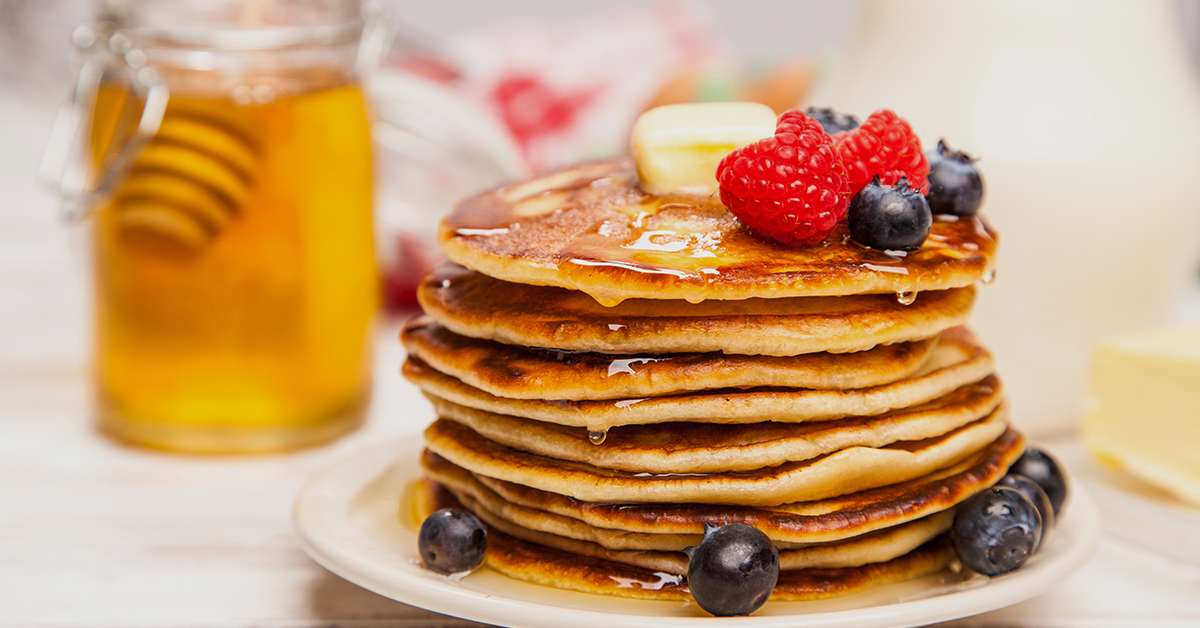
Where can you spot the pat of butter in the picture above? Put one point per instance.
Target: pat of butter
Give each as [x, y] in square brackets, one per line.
[1144, 413]
[677, 147]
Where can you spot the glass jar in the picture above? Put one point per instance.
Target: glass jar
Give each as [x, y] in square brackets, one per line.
[221, 154]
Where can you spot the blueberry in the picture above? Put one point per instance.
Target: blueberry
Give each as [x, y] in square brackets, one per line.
[1038, 466]
[1034, 494]
[733, 570]
[452, 541]
[831, 120]
[955, 186]
[996, 530]
[883, 217]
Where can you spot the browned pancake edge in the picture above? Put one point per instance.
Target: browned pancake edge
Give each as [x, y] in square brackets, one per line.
[811, 522]
[538, 564]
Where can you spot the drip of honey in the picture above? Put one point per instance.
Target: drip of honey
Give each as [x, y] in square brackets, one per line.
[607, 238]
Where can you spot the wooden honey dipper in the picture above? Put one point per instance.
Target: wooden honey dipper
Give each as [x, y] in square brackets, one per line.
[192, 178]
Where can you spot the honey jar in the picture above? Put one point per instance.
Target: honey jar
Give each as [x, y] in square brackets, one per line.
[221, 158]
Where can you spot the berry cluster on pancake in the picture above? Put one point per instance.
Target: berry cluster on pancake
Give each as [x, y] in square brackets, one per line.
[614, 369]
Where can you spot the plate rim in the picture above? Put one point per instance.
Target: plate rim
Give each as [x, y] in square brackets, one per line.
[322, 508]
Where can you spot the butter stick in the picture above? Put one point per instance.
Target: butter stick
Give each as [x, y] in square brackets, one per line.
[1144, 411]
[677, 147]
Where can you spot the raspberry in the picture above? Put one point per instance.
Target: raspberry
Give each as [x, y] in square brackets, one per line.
[790, 187]
[883, 145]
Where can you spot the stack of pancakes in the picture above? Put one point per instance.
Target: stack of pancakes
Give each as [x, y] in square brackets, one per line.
[612, 371]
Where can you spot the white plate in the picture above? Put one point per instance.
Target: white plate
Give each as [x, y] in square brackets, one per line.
[348, 521]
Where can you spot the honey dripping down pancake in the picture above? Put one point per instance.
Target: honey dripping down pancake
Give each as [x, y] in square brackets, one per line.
[472, 304]
[590, 228]
[686, 447]
[957, 360]
[523, 373]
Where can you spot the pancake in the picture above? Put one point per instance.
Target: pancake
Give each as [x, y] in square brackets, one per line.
[788, 524]
[522, 373]
[538, 564]
[475, 305]
[613, 371]
[875, 547]
[957, 360]
[590, 228]
[686, 447]
[491, 505]
[847, 471]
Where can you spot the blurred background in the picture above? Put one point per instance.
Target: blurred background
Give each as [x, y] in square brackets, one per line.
[528, 108]
[1055, 99]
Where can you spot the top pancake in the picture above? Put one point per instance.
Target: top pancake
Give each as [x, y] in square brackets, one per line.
[590, 228]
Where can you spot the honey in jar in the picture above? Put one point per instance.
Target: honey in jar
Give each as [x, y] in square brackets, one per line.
[234, 268]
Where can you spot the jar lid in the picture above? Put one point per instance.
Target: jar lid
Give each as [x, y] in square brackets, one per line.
[237, 25]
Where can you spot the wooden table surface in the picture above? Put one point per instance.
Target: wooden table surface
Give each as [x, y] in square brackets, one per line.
[96, 534]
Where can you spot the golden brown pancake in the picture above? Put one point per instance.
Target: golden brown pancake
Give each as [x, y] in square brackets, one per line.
[874, 547]
[531, 562]
[789, 524]
[847, 471]
[614, 370]
[957, 360]
[589, 228]
[687, 447]
[524, 373]
[475, 305]
[504, 514]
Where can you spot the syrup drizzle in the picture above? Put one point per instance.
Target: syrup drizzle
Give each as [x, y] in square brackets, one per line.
[897, 270]
[693, 248]
[481, 232]
[663, 580]
[625, 365]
